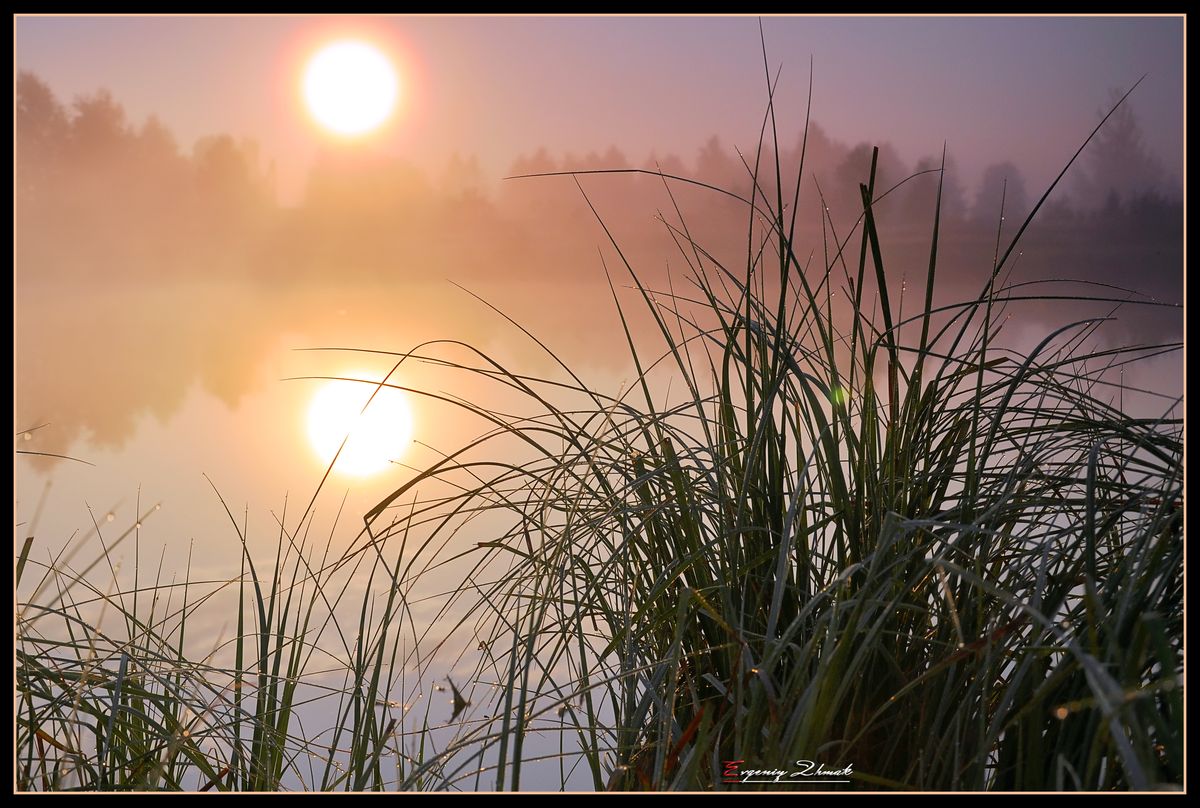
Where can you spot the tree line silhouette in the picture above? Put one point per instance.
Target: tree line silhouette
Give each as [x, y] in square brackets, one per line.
[98, 196]
[118, 227]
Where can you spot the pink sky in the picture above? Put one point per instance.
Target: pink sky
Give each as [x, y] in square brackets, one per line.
[1023, 89]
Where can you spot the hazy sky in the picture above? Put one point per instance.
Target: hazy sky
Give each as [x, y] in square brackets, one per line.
[1024, 89]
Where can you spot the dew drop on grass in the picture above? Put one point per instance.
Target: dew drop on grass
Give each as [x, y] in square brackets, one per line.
[1061, 713]
[28, 436]
[137, 525]
[108, 517]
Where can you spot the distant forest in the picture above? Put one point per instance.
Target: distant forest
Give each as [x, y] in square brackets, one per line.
[100, 197]
[119, 231]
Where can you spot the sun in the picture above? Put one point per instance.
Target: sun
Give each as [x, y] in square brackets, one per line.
[376, 437]
[350, 87]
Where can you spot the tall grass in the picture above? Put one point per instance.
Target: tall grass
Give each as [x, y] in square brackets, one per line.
[871, 539]
[126, 708]
[865, 539]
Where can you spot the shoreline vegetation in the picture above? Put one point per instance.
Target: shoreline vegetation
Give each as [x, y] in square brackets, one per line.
[861, 531]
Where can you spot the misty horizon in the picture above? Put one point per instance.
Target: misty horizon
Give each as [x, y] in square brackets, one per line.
[462, 172]
[102, 200]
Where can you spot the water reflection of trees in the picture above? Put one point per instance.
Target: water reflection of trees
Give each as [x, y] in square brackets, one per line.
[118, 212]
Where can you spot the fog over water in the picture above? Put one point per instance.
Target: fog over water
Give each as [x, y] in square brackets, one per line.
[142, 269]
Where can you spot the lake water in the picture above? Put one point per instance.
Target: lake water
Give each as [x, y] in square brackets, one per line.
[177, 401]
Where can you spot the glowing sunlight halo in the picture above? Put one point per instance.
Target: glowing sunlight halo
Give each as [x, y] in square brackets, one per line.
[350, 87]
[377, 436]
